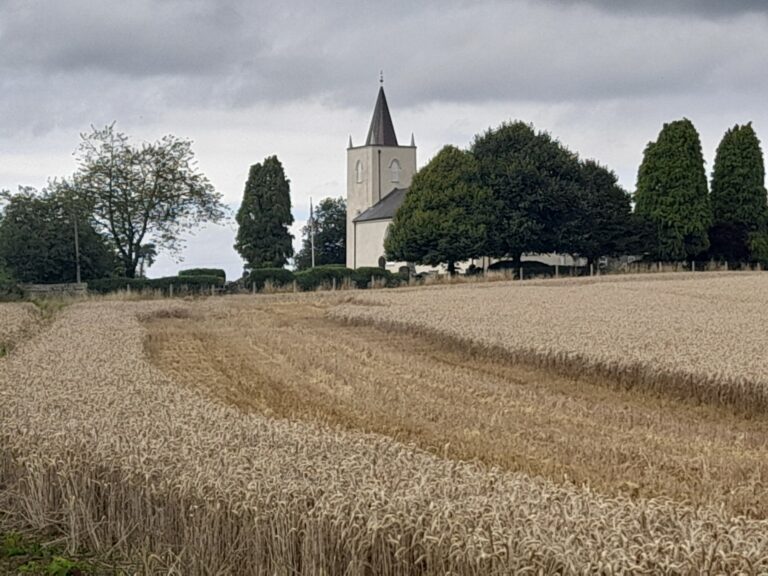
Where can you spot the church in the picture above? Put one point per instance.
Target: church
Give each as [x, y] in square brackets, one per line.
[378, 176]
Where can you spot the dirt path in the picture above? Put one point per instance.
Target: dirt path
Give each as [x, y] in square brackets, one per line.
[285, 358]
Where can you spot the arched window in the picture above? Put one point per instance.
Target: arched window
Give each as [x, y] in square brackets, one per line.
[382, 262]
[359, 171]
[394, 171]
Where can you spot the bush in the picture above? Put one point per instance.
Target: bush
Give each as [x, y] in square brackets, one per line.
[9, 290]
[362, 276]
[204, 272]
[276, 276]
[314, 278]
[180, 284]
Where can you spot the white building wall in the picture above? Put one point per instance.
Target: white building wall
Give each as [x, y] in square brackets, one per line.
[377, 182]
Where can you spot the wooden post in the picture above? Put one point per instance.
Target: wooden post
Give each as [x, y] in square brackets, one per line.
[693, 265]
[213, 290]
[521, 271]
[170, 290]
[294, 285]
[373, 282]
[557, 271]
[726, 265]
[591, 269]
[253, 287]
[333, 284]
[128, 288]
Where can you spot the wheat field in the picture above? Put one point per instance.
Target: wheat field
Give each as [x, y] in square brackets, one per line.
[16, 322]
[306, 446]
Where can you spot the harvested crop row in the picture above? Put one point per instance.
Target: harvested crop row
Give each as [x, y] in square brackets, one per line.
[99, 444]
[700, 338]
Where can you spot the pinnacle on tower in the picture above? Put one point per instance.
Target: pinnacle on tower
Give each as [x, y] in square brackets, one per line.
[382, 131]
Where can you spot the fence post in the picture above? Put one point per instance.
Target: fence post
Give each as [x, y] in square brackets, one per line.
[693, 265]
[333, 283]
[726, 265]
[170, 290]
[128, 288]
[591, 269]
[557, 271]
[521, 271]
[253, 287]
[213, 290]
[294, 285]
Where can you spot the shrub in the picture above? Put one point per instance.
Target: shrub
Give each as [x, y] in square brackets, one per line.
[204, 272]
[318, 276]
[276, 276]
[9, 290]
[362, 276]
[180, 283]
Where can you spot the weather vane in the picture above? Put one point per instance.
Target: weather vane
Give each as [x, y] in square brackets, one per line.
[381, 77]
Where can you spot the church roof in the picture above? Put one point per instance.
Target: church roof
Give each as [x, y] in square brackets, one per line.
[385, 208]
[382, 131]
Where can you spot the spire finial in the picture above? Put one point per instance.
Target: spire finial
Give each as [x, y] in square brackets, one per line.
[381, 77]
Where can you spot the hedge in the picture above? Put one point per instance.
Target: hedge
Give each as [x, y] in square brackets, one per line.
[276, 276]
[180, 283]
[314, 278]
[362, 276]
[204, 272]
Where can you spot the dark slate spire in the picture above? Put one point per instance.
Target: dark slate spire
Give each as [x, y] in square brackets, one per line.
[381, 132]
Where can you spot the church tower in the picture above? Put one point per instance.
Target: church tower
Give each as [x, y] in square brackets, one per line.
[374, 171]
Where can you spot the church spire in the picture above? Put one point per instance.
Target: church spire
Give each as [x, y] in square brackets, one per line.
[382, 131]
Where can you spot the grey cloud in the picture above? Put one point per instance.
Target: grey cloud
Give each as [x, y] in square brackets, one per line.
[705, 8]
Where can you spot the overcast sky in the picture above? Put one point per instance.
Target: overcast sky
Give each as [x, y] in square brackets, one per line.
[247, 79]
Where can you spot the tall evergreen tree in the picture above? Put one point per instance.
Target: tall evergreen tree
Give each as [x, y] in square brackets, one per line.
[330, 235]
[446, 215]
[739, 201]
[537, 184]
[672, 192]
[263, 238]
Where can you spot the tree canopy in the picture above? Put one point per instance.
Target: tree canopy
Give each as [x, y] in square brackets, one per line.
[264, 217]
[536, 183]
[603, 224]
[672, 192]
[330, 223]
[739, 202]
[147, 194]
[37, 239]
[446, 215]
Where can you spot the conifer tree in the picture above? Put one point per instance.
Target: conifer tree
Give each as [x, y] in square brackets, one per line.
[672, 192]
[446, 215]
[263, 238]
[739, 203]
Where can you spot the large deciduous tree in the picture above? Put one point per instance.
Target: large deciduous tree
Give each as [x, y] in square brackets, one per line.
[536, 182]
[446, 215]
[37, 239]
[672, 192]
[330, 225]
[739, 202]
[144, 194]
[603, 224]
[264, 217]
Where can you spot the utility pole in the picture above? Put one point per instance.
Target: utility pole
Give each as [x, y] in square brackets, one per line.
[77, 252]
[312, 231]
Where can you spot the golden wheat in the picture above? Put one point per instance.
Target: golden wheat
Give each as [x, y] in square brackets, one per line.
[693, 336]
[16, 322]
[97, 443]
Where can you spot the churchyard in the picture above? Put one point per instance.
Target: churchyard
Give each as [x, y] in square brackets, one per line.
[612, 424]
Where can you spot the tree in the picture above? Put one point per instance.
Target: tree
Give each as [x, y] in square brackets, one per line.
[446, 215]
[330, 235]
[263, 238]
[604, 219]
[37, 239]
[136, 193]
[536, 182]
[672, 192]
[739, 202]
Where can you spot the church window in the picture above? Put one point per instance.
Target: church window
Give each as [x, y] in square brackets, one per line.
[394, 171]
[359, 171]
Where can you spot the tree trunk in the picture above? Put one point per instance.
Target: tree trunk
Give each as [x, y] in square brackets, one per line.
[451, 268]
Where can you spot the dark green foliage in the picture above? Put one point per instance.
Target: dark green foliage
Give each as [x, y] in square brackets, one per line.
[603, 222]
[180, 284]
[446, 216]
[140, 193]
[8, 287]
[204, 272]
[323, 276]
[672, 192]
[739, 203]
[276, 276]
[263, 238]
[330, 235]
[37, 239]
[364, 275]
[536, 184]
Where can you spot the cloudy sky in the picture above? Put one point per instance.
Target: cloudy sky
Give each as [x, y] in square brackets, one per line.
[247, 79]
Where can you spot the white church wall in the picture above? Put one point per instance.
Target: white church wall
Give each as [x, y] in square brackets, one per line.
[370, 243]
